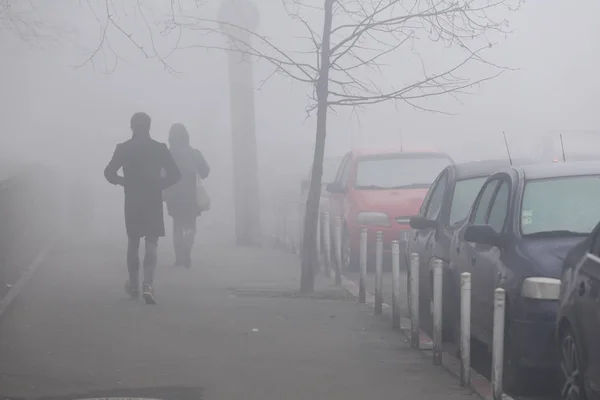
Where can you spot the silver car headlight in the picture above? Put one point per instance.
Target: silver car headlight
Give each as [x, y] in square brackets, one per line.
[373, 218]
[541, 288]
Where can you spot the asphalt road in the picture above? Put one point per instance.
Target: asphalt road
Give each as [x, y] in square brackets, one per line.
[233, 327]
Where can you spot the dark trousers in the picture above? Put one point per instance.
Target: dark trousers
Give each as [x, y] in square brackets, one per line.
[184, 232]
[133, 260]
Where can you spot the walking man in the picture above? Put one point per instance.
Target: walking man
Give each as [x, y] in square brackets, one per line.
[182, 199]
[143, 161]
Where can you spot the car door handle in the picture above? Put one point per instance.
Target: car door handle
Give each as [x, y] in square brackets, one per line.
[581, 289]
[473, 260]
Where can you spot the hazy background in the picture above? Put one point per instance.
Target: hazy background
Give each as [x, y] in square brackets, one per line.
[57, 108]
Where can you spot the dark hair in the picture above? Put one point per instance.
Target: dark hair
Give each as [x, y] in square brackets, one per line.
[140, 123]
[178, 135]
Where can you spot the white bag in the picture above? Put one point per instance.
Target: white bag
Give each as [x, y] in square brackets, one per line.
[202, 196]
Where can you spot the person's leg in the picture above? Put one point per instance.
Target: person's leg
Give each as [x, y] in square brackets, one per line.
[133, 266]
[150, 259]
[178, 241]
[189, 233]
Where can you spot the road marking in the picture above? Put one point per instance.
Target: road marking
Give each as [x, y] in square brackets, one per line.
[18, 286]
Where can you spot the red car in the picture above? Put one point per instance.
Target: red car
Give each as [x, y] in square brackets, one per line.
[380, 191]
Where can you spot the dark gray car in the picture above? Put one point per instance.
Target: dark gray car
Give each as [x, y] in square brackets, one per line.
[445, 207]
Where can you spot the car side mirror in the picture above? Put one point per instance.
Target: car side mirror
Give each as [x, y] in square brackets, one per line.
[335, 187]
[483, 234]
[419, 222]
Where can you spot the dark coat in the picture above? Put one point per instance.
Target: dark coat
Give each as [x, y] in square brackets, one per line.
[181, 198]
[143, 160]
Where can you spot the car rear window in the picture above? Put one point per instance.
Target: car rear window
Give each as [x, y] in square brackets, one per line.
[561, 205]
[399, 171]
[465, 192]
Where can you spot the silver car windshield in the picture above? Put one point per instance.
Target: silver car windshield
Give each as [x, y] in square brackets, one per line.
[561, 205]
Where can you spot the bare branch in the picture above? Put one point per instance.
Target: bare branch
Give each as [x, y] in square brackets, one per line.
[368, 32]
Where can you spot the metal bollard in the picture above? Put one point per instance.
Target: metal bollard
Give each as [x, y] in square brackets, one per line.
[438, 283]
[406, 264]
[300, 226]
[414, 300]
[395, 284]
[465, 329]
[406, 249]
[327, 245]
[498, 343]
[284, 235]
[338, 250]
[379, 273]
[318, 240]
[362, 290]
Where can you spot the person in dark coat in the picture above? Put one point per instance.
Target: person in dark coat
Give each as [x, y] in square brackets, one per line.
[143, 161]
[181, 199]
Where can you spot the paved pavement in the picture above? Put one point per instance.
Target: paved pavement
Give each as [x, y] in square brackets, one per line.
[480, 358]
[387, 288]
[233, 327]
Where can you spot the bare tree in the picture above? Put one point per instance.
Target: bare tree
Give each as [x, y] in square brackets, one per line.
[356, 37]
[354, 40]
[25, 20]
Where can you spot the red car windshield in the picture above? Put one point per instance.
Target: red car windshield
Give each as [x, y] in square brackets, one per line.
[399, 171]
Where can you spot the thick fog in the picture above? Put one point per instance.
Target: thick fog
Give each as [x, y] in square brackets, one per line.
[61, 107]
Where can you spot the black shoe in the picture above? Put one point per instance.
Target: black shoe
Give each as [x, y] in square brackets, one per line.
[132, 290]
[148, 294]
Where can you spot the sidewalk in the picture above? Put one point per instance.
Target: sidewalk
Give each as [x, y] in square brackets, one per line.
[231, 328]
[387, 287]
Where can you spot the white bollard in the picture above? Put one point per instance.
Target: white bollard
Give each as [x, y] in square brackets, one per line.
[465, 329]
[362, 289]
[338, 250]
[414, 300]
[406, 249]
[284, 234]
[406, 265]
[379, 273]
[318, 240]
[396, 284]
[300, 226]
[438, 281]
[327, 245]
[498, 343]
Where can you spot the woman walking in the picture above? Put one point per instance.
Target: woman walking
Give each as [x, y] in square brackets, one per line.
[182, 198]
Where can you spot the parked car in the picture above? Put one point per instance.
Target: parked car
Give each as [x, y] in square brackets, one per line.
[524, 221]
[578, 321]
[380, 191]
[445, 207]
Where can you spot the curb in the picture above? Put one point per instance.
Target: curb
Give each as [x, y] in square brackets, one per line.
[479, 384]
[8, 300]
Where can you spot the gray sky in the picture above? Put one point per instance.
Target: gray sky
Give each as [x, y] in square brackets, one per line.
[44, 98]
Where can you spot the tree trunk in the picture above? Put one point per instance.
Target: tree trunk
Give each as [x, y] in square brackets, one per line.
[310, 258]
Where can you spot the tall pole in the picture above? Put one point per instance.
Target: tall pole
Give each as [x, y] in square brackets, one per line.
[244, 14]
